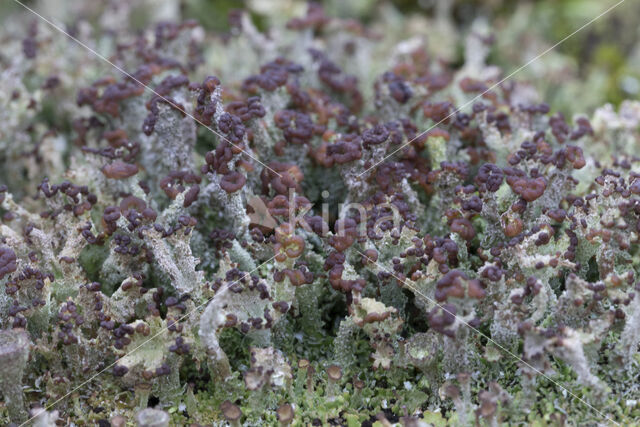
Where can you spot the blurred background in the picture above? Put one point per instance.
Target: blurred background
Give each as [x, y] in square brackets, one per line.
[597, 65]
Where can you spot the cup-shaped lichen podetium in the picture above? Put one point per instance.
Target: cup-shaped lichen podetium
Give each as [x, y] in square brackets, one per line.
[334, 375]
[14, 352]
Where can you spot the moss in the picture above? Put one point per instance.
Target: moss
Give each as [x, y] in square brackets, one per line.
[234, 343]
[91, 260]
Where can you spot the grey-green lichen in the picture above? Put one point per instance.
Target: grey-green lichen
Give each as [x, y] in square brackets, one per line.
[308, 219]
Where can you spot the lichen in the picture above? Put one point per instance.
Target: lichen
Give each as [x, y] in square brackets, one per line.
[308, 219]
